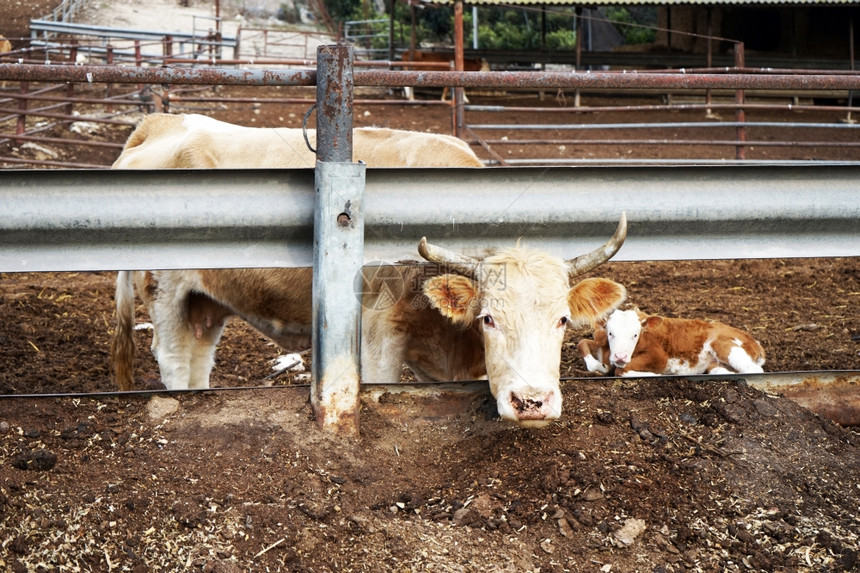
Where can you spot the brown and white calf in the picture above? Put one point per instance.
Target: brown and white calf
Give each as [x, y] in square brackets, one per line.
[454, 318]
[635, 344]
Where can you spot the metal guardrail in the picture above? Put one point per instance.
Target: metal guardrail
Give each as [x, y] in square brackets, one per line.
[111, 220]
[47, 26]
[65, 11]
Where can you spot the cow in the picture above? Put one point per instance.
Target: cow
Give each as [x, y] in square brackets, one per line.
[440, 60]
[636, 344]
[191, 141]
[501, 317]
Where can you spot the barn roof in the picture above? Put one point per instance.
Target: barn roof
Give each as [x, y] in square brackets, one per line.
[650, 2]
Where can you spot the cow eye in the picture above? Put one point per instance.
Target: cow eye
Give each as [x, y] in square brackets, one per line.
[488, 321]
[562, 321]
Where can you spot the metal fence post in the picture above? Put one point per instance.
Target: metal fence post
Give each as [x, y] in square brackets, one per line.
[740, 114]
[338, 247]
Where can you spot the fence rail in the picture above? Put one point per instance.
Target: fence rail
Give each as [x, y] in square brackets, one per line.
[109, 220]
[156, 89]
[65, 11]
[120, 41]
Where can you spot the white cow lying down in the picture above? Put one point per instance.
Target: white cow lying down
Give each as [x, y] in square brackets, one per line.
[164, 141]
[460, 318]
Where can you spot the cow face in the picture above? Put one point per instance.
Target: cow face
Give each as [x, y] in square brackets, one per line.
[623, 328]
[522, 302]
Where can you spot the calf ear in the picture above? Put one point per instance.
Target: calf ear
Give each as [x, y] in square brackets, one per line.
[592, 300]
[651, 322]
[454, 296]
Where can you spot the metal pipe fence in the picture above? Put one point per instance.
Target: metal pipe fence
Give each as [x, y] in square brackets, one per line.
[145, 89]
[256, 43]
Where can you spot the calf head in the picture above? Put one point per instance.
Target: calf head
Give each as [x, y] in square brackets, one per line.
[623, 329]
[522, 301]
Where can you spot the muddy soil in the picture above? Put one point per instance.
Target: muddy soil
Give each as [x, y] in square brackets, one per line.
[638, 475]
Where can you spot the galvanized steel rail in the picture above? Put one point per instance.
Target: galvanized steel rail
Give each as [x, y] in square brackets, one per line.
[100, 220]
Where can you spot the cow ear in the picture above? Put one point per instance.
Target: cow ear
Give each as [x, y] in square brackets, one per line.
[454, 296]
[592, 300]
[651, 322]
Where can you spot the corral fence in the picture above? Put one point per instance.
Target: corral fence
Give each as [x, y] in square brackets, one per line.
[702, 101]
[65, 11]
[111, 220]
[125, 45]
[29, 110]
[267, 43]
[569, 131]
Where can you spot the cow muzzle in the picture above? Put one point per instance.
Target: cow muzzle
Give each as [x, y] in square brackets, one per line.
[531, 408]
[620, 360]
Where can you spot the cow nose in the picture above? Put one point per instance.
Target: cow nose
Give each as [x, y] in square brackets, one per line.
[534, 406]
[620, 358]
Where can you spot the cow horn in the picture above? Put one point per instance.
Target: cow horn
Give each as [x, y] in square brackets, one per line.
[456, 261]
[584, 263]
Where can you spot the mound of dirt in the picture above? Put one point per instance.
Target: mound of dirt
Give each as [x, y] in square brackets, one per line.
[639, 476]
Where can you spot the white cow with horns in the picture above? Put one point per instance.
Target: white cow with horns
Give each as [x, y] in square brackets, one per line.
[456, 317]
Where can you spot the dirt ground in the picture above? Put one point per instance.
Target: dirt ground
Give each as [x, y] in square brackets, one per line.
[638, 476]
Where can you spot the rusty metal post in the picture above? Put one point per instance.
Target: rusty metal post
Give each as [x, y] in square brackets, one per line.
[413, 41]
[391, 9]
[70, 87]
[848, 118]
[338, 247]
[459, 92]
[237, 48]
[578, 39]
[740, 114]
[109, 86]
[710, 55]
[21, 124]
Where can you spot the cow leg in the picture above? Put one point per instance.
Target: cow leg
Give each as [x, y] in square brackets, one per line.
[381, 359]
[172, 343]
[743, 362]
[636, 374]
[733, 355]
[203, 356]
[185, 361]
[184, 351]
[592, 355]
[720, 370]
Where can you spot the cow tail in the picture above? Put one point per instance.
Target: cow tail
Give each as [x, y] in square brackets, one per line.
[122, 345]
